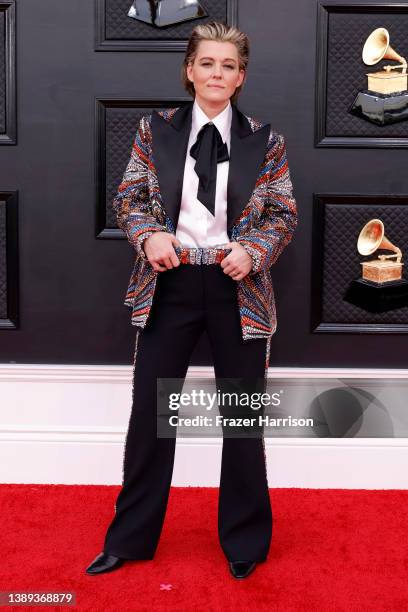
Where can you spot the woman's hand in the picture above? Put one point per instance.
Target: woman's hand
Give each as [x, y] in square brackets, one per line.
[238, 263]
[160, 252]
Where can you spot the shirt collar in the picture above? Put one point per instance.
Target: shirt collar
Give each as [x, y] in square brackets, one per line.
[222, 121]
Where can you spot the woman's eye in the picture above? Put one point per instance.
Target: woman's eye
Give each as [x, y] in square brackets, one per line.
[225, 66]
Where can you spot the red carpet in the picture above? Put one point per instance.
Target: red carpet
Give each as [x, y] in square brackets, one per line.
[339, 550]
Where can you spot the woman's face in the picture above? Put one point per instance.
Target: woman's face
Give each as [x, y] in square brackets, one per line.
[215, 71]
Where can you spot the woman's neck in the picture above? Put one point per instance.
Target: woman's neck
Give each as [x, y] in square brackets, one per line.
[211, 109]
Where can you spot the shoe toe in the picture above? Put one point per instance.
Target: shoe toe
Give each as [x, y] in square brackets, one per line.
[104, 563]
[241, 569]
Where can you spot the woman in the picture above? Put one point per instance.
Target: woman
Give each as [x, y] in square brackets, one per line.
[206, 201]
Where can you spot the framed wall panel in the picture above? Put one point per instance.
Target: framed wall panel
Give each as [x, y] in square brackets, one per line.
[116, 31]
[8, 260]
[342, 28]
[337, 221]
[7, 73]
[116, 123]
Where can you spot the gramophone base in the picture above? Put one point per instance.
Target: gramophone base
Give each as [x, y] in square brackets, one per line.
[377, 298]
[381, 109]
[381, 271]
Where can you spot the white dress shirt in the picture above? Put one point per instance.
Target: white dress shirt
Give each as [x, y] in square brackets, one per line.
[197, 227]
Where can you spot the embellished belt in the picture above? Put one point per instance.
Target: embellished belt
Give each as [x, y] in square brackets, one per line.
[201, 255]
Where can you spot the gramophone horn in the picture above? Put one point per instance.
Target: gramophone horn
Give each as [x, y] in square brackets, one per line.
[377, 47]
[372, 238]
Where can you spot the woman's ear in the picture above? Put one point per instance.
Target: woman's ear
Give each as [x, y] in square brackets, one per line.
[189, 72]
[242, 75]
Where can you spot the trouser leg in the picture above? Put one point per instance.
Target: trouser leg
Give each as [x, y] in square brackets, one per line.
[164, 350]
[244, 510]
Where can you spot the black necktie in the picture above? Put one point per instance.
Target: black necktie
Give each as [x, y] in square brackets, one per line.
[208, 150]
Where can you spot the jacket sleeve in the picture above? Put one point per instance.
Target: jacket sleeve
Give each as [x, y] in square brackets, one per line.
[278, 220]
[132, 202]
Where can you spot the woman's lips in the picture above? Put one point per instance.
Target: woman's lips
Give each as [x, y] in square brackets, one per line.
[217, 86]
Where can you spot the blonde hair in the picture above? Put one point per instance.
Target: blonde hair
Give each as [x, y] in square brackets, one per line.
[218, 31]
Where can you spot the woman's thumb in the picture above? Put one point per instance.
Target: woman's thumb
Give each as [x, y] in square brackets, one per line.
[175, 241]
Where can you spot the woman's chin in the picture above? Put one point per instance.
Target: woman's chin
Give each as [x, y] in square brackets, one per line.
[214, 94]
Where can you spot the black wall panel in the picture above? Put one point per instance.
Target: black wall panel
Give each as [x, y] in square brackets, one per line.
[7, 73]
[9, 282]
[3, 261]
[2, 73]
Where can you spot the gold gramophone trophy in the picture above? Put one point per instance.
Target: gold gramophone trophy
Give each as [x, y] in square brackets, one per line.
[385, 100]
[382, 269]
[381, 286]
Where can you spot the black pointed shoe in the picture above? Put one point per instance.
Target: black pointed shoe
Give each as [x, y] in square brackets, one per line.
[104, 563]
[241, 569]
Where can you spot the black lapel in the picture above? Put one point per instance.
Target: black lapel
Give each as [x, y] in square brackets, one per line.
[247, 152]
[169, 145]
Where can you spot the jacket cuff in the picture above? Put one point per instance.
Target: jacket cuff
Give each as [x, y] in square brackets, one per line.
[139, 244]
[254, 254]
[140, 240]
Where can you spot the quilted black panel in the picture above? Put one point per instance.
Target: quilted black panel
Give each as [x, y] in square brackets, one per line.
[118, 26]
[341, 260]
[121, 127]
[3, 262]
[346, 71]
[2, 74]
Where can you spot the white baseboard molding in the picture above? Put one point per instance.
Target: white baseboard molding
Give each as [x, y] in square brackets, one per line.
[67, 425]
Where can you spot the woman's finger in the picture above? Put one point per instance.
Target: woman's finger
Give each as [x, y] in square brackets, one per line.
[166, 261]
[232, 268]
[158, 268]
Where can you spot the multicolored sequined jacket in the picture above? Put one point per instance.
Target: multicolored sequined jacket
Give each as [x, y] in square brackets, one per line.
[261, 210]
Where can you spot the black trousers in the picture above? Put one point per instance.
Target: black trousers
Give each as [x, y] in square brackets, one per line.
[188, 300]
